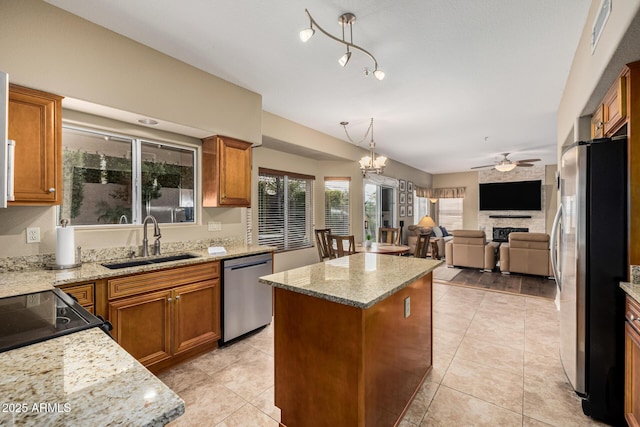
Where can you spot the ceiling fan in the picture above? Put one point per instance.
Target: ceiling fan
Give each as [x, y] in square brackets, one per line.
[505, 165]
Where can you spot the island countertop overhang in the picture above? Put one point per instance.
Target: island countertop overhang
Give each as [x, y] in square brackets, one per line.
[360, 280]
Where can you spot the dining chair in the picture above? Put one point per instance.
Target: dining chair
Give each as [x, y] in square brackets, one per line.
[341, 245]
[388, 235]
[322, 242]
[422, 246]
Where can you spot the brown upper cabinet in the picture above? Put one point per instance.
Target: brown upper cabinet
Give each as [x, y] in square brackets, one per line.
[612, 112]
[226, 172]
[35, 123]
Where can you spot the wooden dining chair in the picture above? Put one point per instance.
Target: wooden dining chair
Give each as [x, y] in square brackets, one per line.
[422, 246]
[322, 242]
[388, 235]
[341, 245]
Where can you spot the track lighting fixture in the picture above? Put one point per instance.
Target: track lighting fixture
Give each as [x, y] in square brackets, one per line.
[346, 19]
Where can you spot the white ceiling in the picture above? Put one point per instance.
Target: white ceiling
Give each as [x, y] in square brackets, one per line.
[465, 79]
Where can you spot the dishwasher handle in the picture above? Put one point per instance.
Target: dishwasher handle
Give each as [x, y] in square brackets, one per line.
[247, 265]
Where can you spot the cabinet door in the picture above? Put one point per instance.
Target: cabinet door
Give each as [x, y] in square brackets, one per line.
[614, 106]
[196, 314]
[35, 123]
[597, 123]
[632, 376]
[142, 325]
[235, 172]
[226, 172]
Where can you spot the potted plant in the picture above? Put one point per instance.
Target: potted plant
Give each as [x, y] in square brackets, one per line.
[368, 242]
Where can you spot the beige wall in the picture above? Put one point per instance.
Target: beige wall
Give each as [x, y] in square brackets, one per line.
[46, 48]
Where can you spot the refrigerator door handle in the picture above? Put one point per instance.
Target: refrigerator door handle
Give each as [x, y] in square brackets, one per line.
[554, 245]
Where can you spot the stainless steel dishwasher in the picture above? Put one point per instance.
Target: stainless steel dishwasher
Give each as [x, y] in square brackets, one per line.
[247, 304]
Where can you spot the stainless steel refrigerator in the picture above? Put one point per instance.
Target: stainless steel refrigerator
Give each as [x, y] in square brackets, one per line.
[590, 230]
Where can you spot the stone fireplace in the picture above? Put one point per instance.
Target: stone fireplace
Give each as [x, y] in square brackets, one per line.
[534, 221]
[501, 234]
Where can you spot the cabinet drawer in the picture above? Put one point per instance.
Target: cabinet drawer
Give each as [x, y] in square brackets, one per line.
[632, 313]
[83, 293]
[161, 279]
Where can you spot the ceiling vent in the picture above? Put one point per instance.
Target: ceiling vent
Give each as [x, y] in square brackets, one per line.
[599, 23]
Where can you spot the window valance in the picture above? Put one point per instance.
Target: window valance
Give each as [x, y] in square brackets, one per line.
[441, 193]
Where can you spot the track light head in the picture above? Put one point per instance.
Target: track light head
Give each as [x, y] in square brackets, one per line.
[306, 34]
[378, 74]
[345, 58]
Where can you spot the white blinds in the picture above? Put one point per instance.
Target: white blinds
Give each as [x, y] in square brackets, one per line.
[336, 205]
[285, 207]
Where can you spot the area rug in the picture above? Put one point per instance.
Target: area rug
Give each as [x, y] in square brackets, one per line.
[519, 284]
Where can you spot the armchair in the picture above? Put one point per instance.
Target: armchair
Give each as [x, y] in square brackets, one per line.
[469, 248]
[526, 253]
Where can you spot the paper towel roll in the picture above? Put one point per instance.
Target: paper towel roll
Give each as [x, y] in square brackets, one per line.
[65, 246]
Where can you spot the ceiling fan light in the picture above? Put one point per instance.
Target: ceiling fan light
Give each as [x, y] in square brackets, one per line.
[344, 58]
[306, 34]
[505, 167]
[378, 74]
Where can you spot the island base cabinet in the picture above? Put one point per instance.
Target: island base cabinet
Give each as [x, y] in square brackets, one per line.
[338, 365]
[632, 365]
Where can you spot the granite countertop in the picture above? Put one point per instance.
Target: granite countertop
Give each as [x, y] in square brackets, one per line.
[633, 288]
[82, 379]
[86, 378]
[360, 280]
[27, 281]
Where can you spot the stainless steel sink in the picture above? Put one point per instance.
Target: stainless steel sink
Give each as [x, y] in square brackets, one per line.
[148, 261]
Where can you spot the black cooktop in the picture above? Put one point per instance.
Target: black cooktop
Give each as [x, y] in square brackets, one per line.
[39, 316]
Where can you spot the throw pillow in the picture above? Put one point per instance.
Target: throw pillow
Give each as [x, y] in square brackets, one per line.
[445, 233]
[437, 231]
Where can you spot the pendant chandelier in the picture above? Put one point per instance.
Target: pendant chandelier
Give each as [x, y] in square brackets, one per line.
[370, 163]
[345, 20]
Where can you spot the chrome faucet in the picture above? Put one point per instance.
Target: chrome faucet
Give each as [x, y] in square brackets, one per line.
[156, 234]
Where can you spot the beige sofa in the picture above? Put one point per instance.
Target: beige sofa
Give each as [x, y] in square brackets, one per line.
[526, 253]
[469, 248]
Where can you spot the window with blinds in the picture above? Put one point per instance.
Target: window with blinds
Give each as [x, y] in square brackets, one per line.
[450, 213]
[285, 209]
[336, 205]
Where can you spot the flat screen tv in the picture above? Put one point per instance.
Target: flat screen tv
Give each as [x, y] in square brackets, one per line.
[511, 196]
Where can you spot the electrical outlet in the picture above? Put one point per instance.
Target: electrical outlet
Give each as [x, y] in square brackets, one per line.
[407, 307]
[32, 300]
[33, 234]
[214, 226]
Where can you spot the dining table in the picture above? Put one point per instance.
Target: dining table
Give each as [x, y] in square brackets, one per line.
[383, 248]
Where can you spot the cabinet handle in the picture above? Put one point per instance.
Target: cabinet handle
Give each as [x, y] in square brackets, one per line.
[177, 297]
[631, 317]
[169, 299]
[52, 190]
[600, 124]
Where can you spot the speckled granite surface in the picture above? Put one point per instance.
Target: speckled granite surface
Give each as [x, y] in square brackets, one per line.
[86, 378]
[632, 289]
[54, 383]
[26, 281]
[359, 280]
[635, 274]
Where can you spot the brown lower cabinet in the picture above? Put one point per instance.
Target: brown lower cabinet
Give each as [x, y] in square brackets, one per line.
[632, 364]
[167, 315]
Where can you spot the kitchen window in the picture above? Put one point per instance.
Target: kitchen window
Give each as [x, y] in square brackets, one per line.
[336, 205]
[119, 179]
[285, 209]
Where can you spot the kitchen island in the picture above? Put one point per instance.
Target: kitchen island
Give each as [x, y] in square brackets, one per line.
[353, 339]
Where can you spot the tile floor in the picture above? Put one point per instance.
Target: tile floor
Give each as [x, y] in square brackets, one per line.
[495, 360]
